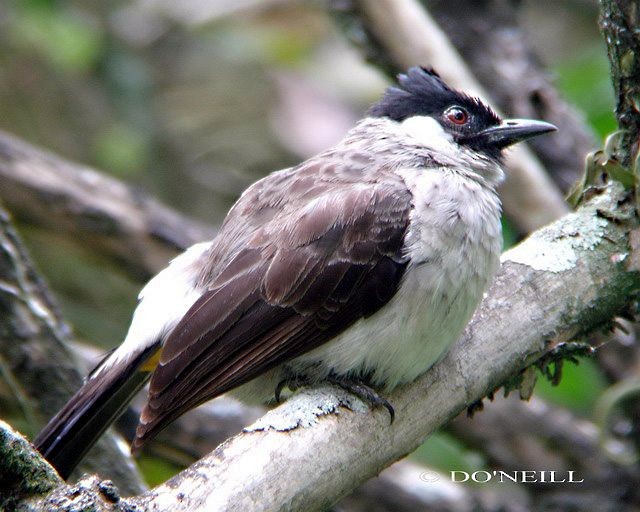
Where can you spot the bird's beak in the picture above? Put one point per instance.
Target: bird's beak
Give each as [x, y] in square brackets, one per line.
[511, 131]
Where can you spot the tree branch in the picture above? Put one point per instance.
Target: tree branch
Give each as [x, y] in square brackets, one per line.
[23, 472]
[619, 22]
[116, 220]
[619, 25]
[33, 354]
[571, 260]
[517, 436]
[200, 431]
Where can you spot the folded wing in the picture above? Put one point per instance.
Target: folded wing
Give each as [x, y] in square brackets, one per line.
[299, 274]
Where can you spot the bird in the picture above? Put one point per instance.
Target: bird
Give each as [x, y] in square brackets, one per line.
[360, 266]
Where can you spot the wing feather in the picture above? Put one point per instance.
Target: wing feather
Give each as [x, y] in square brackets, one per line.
[280, 287]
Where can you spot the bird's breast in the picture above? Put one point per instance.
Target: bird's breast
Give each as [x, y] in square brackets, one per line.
[453, 244]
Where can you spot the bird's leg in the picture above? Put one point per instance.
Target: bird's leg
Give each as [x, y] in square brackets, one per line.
[293, 382]
[363, 391]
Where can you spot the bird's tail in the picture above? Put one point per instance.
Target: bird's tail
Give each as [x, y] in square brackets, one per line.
[97, 404]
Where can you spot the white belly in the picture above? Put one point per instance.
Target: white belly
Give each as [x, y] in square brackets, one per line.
[409, 334]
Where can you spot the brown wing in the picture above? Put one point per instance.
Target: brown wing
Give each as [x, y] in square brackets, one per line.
[300, 278]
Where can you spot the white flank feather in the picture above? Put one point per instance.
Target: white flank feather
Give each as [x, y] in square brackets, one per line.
[162, 303]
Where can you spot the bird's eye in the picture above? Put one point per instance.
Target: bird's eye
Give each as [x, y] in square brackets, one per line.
[457, 115]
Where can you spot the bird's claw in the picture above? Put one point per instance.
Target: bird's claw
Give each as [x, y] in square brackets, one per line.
[365, 392]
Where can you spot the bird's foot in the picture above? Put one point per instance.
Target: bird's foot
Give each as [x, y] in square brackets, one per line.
[363, 391]
[355, 386]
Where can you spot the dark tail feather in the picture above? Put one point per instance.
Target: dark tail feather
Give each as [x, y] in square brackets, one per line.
[96, 405]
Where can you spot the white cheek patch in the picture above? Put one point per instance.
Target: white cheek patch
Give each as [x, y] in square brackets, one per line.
[429, 133]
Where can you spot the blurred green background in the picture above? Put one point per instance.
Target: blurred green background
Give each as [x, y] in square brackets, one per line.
[193, 101]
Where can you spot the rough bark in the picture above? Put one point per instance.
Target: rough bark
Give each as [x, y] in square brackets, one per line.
[619, 23]
[34, 357]
[23, 473]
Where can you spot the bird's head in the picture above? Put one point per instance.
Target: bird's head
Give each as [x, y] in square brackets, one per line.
[431, 110]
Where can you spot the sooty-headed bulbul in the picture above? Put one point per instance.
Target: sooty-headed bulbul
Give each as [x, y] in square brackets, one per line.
[361, 265]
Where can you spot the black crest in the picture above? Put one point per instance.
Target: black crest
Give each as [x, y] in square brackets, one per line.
[421, 91]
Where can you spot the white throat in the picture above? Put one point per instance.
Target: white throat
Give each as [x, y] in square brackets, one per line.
[429, 134]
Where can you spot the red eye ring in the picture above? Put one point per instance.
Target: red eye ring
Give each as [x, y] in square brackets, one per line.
[457, 115]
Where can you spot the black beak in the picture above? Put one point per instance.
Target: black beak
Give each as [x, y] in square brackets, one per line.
[511, 131]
